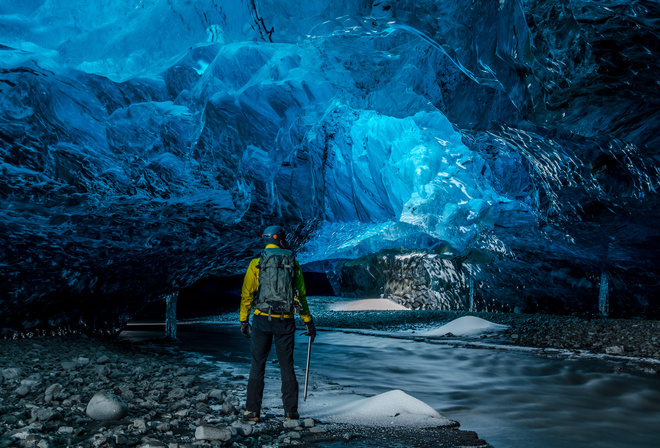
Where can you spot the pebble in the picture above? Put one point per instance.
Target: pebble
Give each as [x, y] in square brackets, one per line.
[68, 365]
[12, 373]
[615, 350]
[292, 424]
[294, 435]
[54, 389]
[308, 423]
[243, 429]
[206, 432]
[22, 391]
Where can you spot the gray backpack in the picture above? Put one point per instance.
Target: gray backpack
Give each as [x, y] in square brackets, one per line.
[276, 293]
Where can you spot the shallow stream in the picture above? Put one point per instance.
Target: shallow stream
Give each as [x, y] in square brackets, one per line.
[512, 399]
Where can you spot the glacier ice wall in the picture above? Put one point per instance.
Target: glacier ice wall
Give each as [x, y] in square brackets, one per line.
[146, 143]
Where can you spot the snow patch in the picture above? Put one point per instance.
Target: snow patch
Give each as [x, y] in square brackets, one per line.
[466, 326]
[393, 408]
[368, 304]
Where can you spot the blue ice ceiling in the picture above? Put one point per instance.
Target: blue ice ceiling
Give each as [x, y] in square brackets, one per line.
[145, 144]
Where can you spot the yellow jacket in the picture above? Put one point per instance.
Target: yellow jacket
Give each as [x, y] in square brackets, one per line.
[251, 284]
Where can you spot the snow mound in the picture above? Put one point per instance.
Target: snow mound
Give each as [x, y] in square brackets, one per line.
[466, 326]
[368, 304]
[393, 408]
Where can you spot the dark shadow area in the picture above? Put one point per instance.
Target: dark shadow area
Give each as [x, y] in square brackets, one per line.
[214, 295]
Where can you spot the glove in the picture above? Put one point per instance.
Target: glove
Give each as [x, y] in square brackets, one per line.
[311, 330]
[246, 329]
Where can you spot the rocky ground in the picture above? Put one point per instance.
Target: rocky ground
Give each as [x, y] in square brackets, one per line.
[77, 391]
[87, 392]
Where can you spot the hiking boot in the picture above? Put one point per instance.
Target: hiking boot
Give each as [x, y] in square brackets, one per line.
[251, 416]
[291, 416]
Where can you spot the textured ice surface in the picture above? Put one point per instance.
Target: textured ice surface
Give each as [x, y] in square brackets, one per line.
[145, 144]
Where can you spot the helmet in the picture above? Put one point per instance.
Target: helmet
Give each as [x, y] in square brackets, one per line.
[275, 235]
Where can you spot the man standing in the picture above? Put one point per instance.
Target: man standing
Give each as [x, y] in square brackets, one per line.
[275, 287]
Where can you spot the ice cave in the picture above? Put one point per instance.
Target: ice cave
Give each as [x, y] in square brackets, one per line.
[492, 155]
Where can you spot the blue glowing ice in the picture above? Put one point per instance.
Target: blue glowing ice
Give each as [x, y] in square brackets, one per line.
[145, 144]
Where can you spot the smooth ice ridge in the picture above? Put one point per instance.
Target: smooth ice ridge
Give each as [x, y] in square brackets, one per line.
[466, 326]
[393, 408]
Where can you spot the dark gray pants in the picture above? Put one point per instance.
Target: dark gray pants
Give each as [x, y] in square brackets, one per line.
[264, 331]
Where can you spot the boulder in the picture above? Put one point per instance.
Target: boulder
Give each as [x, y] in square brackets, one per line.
[106, 406]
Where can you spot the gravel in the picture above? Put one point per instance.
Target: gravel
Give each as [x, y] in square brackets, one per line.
[59, 392]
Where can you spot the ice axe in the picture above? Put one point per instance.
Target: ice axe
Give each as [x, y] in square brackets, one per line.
[309, 353]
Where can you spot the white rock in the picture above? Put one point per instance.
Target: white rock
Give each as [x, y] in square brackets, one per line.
[308, 423]
[100, 440]
[206, 432]
[139, 423]
[20, 433]
[106, 406]
[292, 423]
[614, 350]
